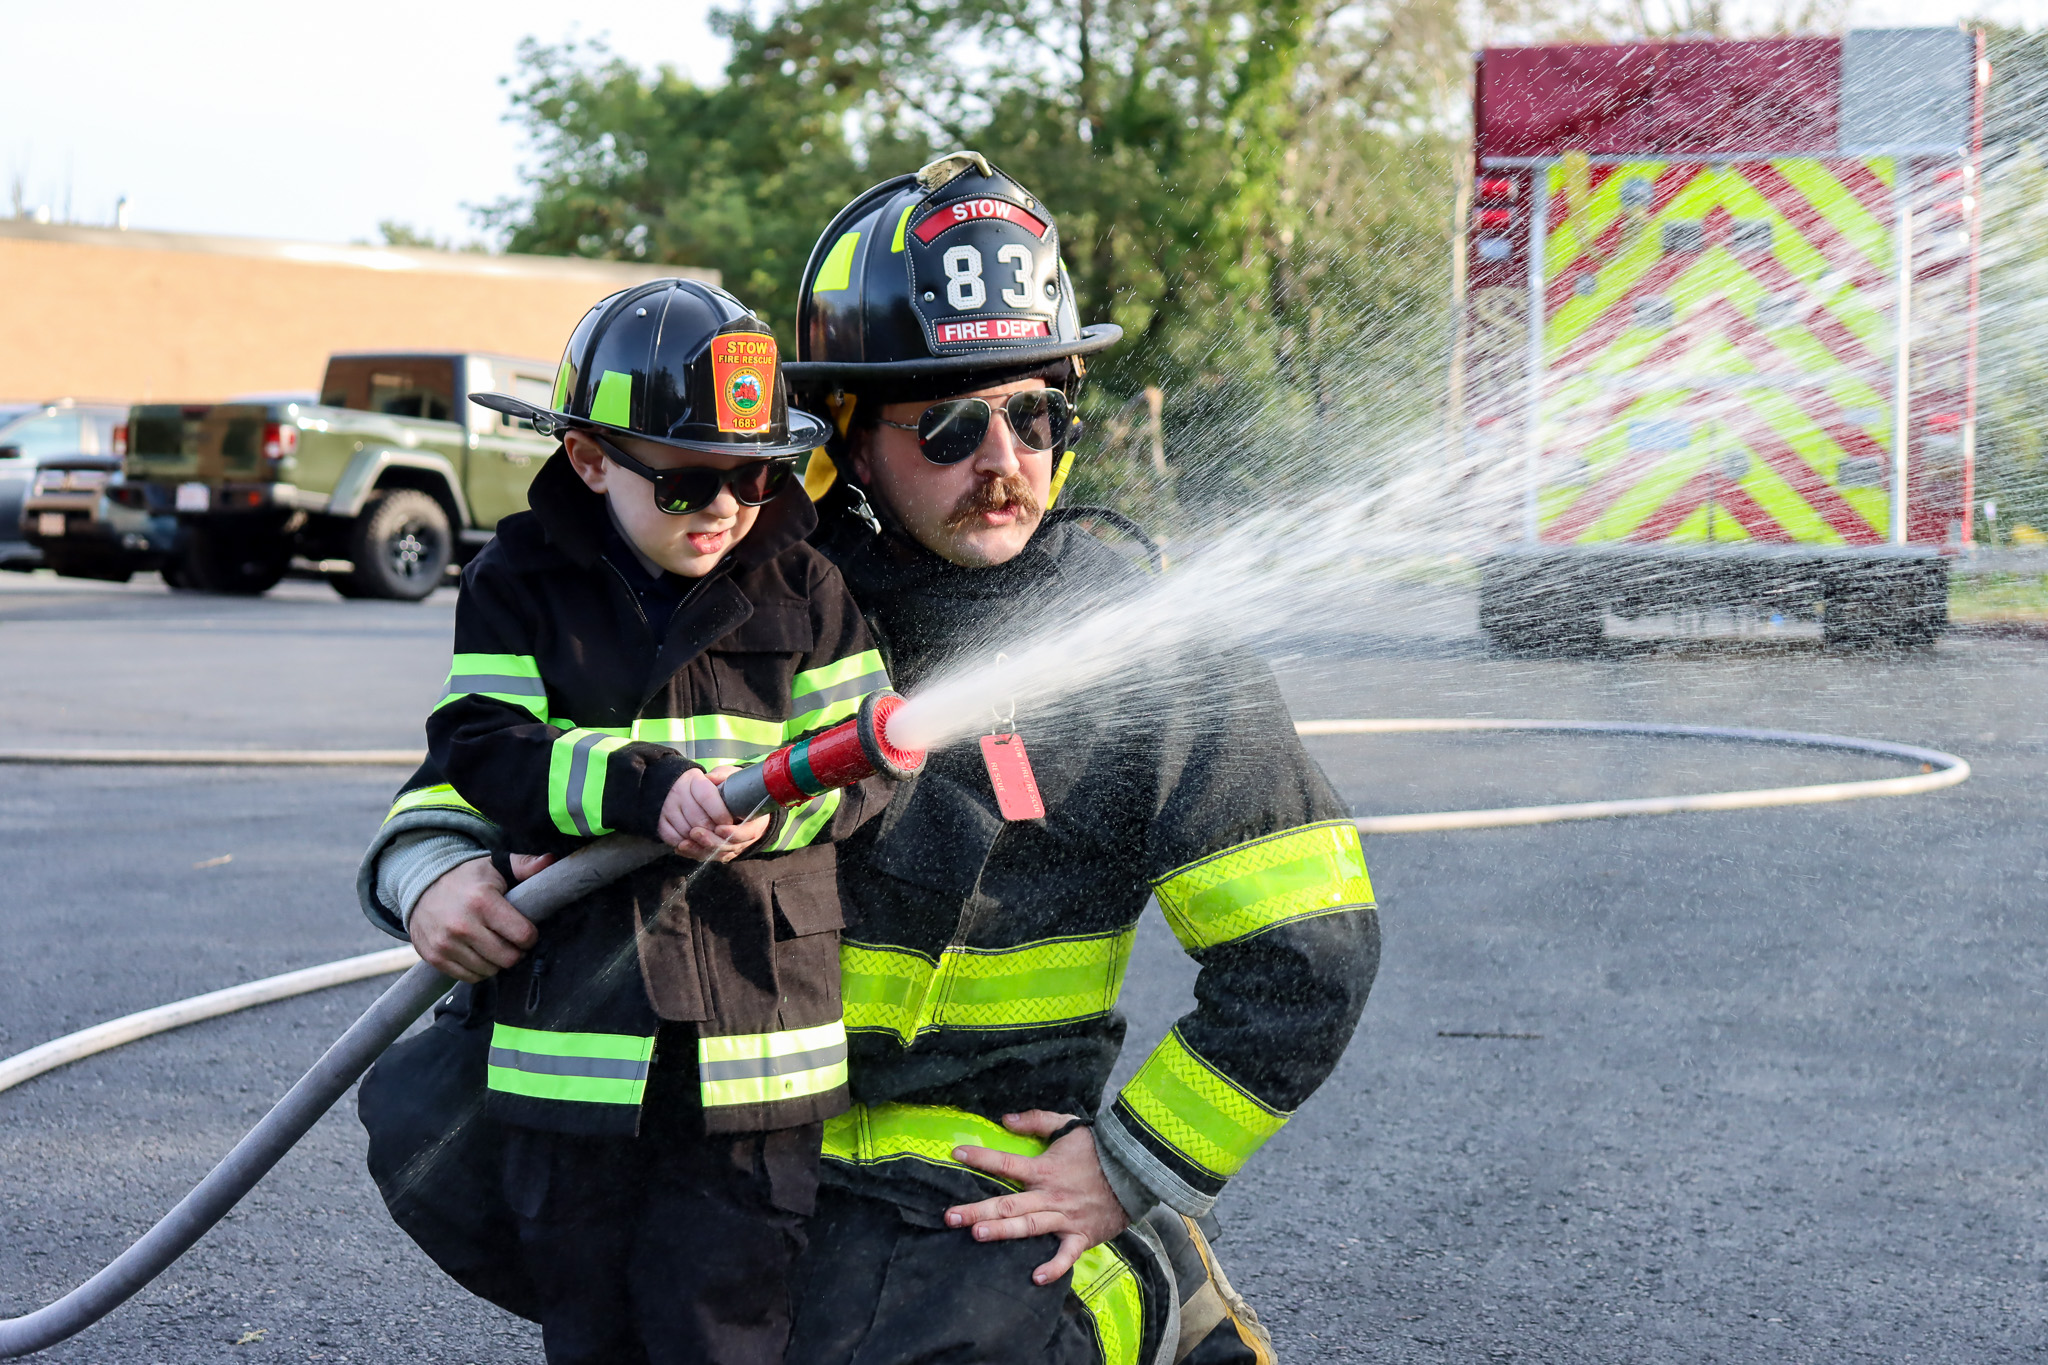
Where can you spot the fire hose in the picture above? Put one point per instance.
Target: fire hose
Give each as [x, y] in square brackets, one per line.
[838, 757]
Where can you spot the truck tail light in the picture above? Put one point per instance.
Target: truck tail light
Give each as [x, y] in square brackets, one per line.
[279, 440]
[1496, 220]
[121, 439]
[1498, 187]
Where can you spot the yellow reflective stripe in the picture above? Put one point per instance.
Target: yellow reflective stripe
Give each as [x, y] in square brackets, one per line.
[1049, 981]
[577, 764]
[835, 272]
[757, 1068]
[510, 678]
[830, 693]
[1111, 1296]
[1195, 1109]
[440, 796]
[713, 739]
[902, 222]
[1249, 888]
[839, 671]
[870, 1133]
[583, 1068]
[829, 715]
[804, 823]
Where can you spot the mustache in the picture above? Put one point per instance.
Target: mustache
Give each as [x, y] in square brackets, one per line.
[993, 495]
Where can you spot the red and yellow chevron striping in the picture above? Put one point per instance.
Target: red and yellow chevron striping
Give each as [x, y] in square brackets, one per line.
[1717, 346]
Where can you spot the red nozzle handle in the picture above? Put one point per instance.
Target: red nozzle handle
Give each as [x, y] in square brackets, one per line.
[839, 757]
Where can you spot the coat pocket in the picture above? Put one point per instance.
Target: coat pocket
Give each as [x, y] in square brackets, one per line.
[808, 918]
[808, 903]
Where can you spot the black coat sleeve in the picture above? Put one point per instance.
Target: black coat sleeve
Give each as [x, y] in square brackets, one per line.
[547, 787]
[1259, 871]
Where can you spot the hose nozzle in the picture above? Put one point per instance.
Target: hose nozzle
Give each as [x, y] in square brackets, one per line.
[838, 757]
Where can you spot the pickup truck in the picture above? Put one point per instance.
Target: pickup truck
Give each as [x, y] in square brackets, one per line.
[391, 477]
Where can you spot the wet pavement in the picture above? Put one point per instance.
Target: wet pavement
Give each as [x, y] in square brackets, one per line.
[1771, 1087]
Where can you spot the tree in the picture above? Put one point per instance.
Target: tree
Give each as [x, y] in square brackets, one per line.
[1259, 193]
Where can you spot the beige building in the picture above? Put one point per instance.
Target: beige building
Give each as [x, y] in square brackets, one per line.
[133, 316]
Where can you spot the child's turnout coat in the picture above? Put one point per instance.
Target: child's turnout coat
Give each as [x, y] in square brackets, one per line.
[568, 715]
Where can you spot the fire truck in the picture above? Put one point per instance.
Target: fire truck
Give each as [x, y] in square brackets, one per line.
[1719, 331]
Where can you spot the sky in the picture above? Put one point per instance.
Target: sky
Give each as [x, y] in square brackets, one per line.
[317, 122]
[287, 120]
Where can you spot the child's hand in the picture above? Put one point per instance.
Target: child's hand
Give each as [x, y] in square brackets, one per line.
[696, 824]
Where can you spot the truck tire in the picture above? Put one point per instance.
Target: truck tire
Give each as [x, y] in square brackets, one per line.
[1538, 614]
[399, 547]
[1897, 606]
[102, 568]
[236, 562]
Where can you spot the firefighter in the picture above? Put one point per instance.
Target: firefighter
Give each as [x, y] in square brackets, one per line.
[981, 1201]
[981, 1198]
[661, 1059]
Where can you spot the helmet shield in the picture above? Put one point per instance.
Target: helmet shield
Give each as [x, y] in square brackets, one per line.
[952, 270]
[678, 362]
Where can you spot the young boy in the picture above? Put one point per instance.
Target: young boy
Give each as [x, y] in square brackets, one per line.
[664, 1056]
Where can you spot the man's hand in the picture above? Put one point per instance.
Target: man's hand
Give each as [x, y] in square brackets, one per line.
[464, 926]
[1063, 1192]
[696, 824]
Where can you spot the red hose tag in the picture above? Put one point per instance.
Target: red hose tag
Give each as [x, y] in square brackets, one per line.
[1009, 772]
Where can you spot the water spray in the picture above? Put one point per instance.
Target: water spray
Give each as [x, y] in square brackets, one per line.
[847, 753]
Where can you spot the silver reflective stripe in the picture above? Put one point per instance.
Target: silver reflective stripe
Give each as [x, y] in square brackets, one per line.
[507, 684]
[719, 748]
[750, 1068]
[852, 687]
[579, 768]
[541, 1064]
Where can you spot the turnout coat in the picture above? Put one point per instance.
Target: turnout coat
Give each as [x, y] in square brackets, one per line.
[984, 959]
[568, 715]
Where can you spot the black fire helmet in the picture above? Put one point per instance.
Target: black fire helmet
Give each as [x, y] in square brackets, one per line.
[952, 272]
[678, 362]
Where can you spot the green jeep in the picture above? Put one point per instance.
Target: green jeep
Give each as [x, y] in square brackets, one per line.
[389, 479]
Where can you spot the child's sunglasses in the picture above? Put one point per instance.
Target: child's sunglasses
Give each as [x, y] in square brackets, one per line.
[680, 492]
[951, 431]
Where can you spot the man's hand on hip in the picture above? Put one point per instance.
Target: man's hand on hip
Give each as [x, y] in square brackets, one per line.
[1063, 1192]
[464, 926]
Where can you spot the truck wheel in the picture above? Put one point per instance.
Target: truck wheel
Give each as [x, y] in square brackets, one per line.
[1900, 607]
[105, 570]
[1537, 614]
[399, 547]
[236, 563]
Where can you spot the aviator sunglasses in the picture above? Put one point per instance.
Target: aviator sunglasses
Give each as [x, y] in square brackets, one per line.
[951, 431]
[680, 492]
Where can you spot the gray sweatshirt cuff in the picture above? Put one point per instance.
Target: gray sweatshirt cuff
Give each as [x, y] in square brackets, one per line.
[414, 861]
[1129, 1191]
[1151, 1174]
[381, 898]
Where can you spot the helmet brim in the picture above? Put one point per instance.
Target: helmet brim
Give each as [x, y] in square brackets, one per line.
[805, 431]
[809, 373]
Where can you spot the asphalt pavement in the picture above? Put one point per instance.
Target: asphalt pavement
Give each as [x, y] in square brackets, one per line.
[1753, 1086]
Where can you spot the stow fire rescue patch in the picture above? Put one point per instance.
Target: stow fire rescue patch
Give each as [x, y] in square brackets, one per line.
[984, 274]
[743, 372]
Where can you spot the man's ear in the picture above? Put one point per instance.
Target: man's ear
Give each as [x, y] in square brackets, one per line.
[587, 459]
[857, 443]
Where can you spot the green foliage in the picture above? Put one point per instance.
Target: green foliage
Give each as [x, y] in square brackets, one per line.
[1258, 191]
[2012, 443]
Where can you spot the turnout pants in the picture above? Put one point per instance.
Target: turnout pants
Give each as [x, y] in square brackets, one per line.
[665, 1249]
[876, 1287]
